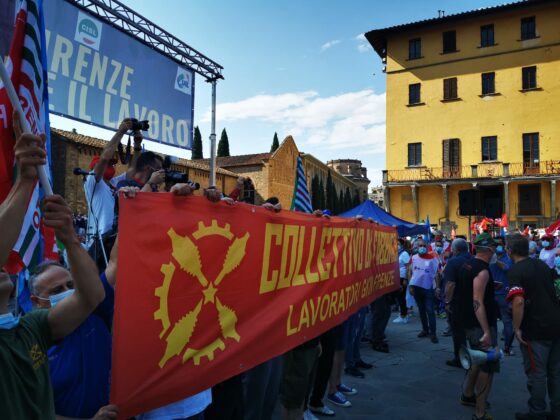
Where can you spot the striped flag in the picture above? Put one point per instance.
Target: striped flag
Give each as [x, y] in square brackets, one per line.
[26, 64]
[301, 201]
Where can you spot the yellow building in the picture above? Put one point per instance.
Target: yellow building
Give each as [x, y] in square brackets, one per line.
[473, 102]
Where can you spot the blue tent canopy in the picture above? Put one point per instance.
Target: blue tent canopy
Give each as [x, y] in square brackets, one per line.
[370, 209]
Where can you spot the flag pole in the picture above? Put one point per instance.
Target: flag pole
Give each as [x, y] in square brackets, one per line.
[24, 123]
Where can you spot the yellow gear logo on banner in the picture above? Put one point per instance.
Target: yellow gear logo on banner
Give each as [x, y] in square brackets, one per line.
[186, 253]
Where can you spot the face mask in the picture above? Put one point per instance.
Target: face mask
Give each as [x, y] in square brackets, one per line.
[54, 299]
[557, 261]
[8, 321]
[499, 249]
[422, 250]
[545, 244]
[439, 249]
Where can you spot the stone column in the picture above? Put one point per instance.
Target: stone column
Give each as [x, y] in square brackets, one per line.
[445, 201]
[553, 199]
[506, 199]
[387, 199]
[415, 201]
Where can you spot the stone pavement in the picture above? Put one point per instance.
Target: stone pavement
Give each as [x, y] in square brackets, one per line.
[413, 382]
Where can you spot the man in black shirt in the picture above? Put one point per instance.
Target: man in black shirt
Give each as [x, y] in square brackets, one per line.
[536, 321]
[479, 313]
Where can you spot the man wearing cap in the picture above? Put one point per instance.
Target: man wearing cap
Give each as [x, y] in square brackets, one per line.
[479, 315]
[99, 190]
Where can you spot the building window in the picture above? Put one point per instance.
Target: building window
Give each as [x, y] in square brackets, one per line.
[488, 83]
[529, 76]
[489, 148]
[414, 94]
[450, 89]
[451, 158]
[528, 28]
[414, 48]
[487, 35]
[531, 154]
[414, 154]
[529, 196]
[449, 42]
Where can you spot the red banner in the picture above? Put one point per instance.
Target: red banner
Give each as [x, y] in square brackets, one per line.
[207, 290]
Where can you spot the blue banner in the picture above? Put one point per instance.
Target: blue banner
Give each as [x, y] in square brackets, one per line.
[100, 75]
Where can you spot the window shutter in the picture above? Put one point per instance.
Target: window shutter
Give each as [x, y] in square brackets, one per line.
[446, 89]
[455, 153]
[445, 154]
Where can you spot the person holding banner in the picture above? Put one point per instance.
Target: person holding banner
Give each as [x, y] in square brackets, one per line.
[24, 341]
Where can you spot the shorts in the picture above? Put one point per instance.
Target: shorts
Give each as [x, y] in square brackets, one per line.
[297, 376]
[473, 338]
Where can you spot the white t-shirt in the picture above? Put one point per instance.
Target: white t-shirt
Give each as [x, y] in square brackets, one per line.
[180, 409]
[424, 271]
[404, 259]
[101, 207]
[548, 255]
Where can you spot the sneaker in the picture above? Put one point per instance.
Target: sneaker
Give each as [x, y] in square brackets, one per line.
[471, 401]
[406, 320]
[485, 416]
[360, 364]
[308, 415]
[322, 411]
[355, 372]
[509, 352]
[347, 390]
[398, 320]
[434, 339]
[381, 347]
[422, 334]
[339, 399]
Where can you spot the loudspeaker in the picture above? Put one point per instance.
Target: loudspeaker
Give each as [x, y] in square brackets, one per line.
[469, 202]
[492, 207]
[469, 357]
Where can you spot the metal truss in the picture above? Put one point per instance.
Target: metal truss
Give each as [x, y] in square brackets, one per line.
[117, 14]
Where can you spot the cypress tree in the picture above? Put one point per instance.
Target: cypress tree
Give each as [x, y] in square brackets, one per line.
[322, 201]
[330, 192]
[356, 199]
[223, 145]
[197, 145]
[275, 143]
[341, 208]
[347, 199]
[315, 194]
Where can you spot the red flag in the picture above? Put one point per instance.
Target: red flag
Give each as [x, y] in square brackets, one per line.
[206, 291]
[553, 227]
[504, 221]
[526, 231]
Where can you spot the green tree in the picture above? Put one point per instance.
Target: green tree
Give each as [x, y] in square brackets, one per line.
[331, 193]
[197, 145]
[223, 145]
[315, 193]
[322, 201]
[347, 199]
[340, 203]
[275, 143]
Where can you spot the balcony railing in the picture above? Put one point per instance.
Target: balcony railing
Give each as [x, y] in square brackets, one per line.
[482, 170]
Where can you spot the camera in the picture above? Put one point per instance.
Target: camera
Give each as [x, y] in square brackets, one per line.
[175, 177]
[143, 125]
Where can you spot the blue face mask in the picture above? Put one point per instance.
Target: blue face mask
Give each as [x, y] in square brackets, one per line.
[54, 299]
[545, 244]
[557, 261]
[8, 321]
[439, 249]
[499, 249]
[422, 250]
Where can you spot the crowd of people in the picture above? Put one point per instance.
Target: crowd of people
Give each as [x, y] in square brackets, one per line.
[56, 359]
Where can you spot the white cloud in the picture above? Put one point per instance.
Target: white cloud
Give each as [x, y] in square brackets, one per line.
[329, 44]
[363, 45]
[351, 121]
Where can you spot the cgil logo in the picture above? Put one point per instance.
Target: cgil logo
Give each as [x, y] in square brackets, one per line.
[87, 27]
[183, 81]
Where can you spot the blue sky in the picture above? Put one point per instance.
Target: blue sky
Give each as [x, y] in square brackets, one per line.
[296, 67]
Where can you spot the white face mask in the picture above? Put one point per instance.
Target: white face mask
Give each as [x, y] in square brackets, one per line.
[54, 299]
[8, 321]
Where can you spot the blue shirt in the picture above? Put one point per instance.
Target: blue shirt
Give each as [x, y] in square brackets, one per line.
[80, 365]
[500, 275]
